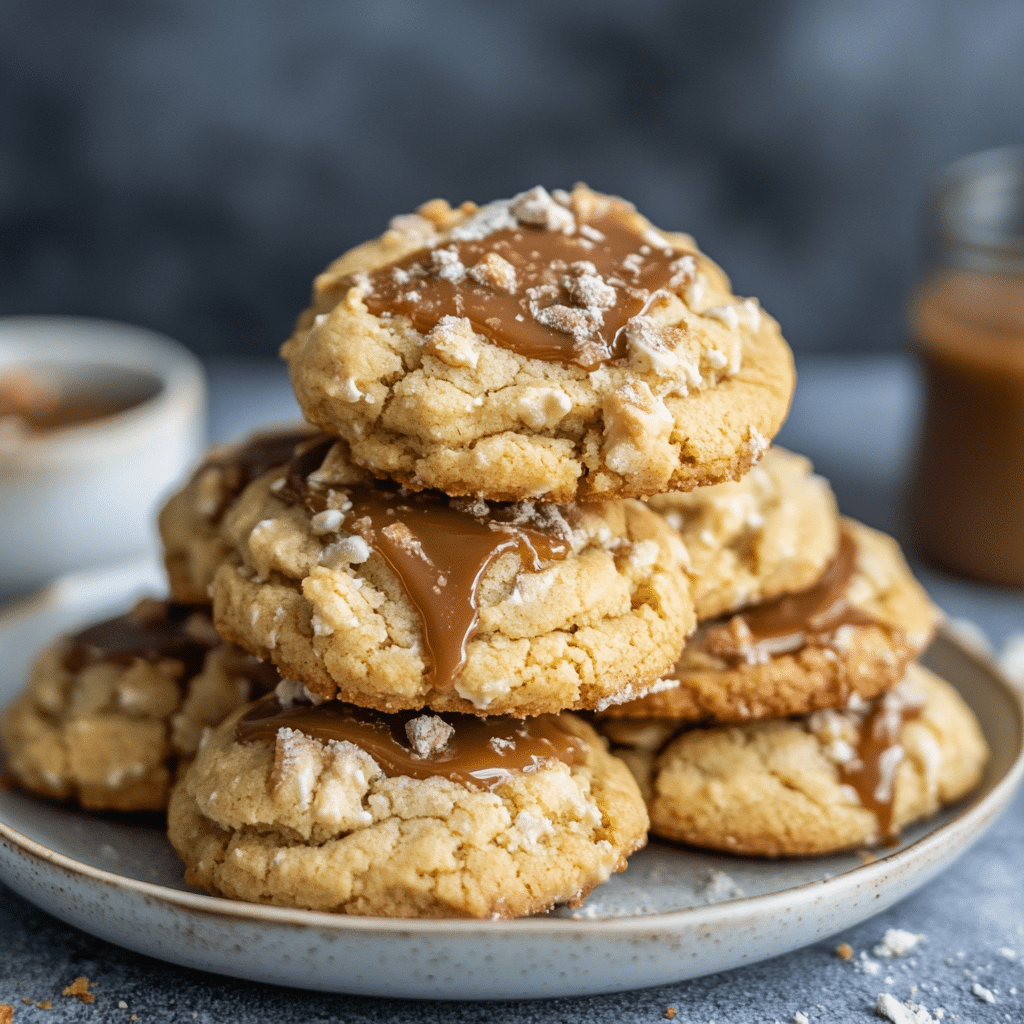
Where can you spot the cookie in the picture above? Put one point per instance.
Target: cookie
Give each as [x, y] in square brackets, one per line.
[555, 347]
[190, 520]
[830, 781]
[336, 808]
[751, 540]
[110, 714]
[394, 599]
[852, 634]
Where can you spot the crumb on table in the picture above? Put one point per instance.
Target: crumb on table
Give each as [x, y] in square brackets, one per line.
[79, 988]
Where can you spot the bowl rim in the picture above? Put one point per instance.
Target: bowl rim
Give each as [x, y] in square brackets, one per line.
[69, 341]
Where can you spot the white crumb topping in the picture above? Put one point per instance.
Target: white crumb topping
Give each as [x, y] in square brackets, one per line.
[649, 351]
[289, 692]
[453, 342]
[684, 272]
[840, 752]
[888, 762]
[588, 288]
[428, 734]
[543, 407]
[527, 830]
[756, 444]
[349, 391]
[495, 272]
[634, 692]
[644, 554]
[348, 550]
[485, 696]
[694, 292]
[293, 761]
[320, 627]
[413, 227]
[493, 217]
[539, 208]
[327, 521]
[446, 264]
[725, 314]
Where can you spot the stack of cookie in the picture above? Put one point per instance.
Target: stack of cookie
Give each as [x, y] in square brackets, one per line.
[460, 559]
[511, 502]
[800, 723]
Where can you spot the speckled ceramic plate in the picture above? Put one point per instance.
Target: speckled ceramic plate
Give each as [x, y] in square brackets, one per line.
[674, 914]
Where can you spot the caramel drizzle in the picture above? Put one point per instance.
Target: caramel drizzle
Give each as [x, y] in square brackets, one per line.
[151, 631]
[879, 754]
[789, 623]
[483, 753]
[631, 262]
[437, 551]
[255, 456]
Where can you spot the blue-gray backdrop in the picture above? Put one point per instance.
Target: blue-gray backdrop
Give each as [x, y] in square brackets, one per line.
[190, 164]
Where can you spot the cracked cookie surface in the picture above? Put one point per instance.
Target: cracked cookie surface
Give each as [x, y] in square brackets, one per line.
[304, 823]
[190, 519]
[853, 634]
[555, 347]
[771, 533]
[810, 786]
[393, 599]
[110, 715]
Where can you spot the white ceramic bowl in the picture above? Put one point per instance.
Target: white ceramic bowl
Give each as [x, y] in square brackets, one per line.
[85, 494]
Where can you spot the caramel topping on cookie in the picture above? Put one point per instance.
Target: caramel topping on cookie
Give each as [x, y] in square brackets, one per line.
[478, 752]
[872, 773]
[256, 455]
[791, 622]
[438, 547]
[152, 630]
[537, 275]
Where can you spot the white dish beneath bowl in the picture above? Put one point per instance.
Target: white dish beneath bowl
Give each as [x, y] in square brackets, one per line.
[653, 924]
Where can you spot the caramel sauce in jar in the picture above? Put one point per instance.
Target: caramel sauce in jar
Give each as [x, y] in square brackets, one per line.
[968, 491]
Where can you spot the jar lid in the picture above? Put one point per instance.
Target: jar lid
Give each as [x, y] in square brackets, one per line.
[977, 211]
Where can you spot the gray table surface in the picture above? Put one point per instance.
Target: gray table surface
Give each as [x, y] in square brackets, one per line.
[855, 418]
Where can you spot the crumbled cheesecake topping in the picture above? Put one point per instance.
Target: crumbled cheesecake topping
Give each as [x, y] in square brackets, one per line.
[428, 734]
[569, 277]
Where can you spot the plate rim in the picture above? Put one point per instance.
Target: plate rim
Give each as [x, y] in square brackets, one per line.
[982, 813]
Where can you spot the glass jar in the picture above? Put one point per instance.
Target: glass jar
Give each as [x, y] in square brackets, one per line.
[967, 318]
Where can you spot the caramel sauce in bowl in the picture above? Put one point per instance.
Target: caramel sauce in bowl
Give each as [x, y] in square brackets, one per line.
[98, 421]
